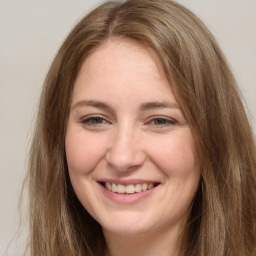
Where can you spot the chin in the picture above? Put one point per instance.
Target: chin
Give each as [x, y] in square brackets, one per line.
[126, 225]
[125, 230]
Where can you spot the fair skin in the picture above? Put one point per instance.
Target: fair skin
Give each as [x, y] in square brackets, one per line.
[130, 152]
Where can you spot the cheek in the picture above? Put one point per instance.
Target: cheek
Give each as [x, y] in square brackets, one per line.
[82, 152]
[176, 155]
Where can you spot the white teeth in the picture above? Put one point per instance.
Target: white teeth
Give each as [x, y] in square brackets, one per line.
[114, 187]
[120, 189]
[151, 185]
[138, 188]
[144, 186]
[108, 186]
[129, 189]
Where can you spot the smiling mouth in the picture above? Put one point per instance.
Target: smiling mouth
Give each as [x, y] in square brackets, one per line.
[128, 189]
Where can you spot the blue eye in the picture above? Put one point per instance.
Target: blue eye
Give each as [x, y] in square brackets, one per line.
[162, 122]
[94, 121]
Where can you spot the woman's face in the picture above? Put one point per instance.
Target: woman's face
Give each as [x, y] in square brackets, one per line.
[130, 152]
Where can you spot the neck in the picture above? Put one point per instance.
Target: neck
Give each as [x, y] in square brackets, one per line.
[165, 243]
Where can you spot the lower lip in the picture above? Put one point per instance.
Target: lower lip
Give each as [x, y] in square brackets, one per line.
[126, 198]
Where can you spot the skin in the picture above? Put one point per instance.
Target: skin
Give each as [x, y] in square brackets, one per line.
[111, 136]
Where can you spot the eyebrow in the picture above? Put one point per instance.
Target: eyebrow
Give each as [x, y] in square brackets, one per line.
[92, 103]
[158, 105]
[143, 107]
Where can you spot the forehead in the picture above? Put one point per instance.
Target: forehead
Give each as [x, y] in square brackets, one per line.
[121, 64]
[118, 54]
[122, 69]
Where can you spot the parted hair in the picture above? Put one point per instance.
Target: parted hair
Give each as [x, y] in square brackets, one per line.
[222, 221]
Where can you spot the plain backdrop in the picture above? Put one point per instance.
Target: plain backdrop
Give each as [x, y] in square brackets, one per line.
[31, 31]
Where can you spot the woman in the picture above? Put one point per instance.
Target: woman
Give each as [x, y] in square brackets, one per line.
[142, 145]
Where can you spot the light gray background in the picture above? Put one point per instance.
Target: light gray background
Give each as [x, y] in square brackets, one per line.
[30, 34]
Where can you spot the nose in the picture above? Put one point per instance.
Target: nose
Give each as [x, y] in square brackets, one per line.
[125, 151]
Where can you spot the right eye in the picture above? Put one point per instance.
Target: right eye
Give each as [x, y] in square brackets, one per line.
[94, 121]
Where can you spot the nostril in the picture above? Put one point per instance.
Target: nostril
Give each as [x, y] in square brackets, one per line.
[124, 155]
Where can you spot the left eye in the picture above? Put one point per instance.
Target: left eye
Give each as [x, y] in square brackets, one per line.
[161, 121]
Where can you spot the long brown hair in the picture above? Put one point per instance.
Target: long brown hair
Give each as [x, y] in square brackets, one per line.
[223, 215]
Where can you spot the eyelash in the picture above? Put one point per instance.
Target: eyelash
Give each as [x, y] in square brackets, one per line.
[94, 121]
[158, 121]
[162, 121]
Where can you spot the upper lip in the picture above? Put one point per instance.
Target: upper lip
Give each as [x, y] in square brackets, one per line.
[127, 181]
